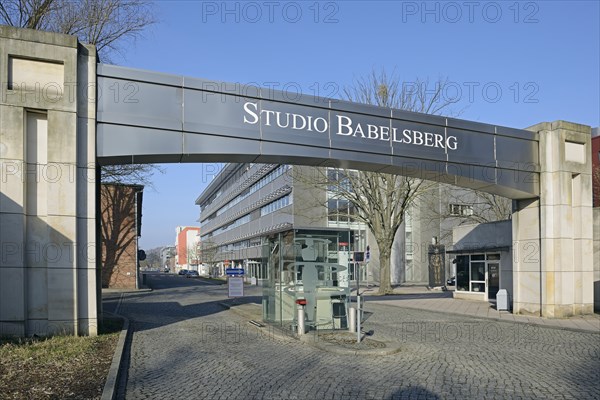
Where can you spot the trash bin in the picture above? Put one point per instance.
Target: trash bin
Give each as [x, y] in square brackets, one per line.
[502, 303]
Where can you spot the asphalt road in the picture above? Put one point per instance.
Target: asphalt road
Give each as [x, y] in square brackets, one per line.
[186, 346]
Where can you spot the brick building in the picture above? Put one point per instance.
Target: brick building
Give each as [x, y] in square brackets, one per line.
[186, 245]
[121, 226]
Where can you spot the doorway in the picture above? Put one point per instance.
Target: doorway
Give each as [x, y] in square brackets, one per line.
[478, 274]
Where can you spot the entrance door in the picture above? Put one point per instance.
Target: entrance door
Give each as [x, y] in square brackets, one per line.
[493, 284]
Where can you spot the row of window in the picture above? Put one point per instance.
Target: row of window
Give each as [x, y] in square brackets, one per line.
[242, 244]
[270, 177]
[266, 209]
[234, 224]
[225, 186]
[276, 205]
[460, 210]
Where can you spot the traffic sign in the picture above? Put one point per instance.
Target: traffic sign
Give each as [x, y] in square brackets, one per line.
[234, 271]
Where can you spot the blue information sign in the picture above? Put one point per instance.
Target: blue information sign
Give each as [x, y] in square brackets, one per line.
[234, 271]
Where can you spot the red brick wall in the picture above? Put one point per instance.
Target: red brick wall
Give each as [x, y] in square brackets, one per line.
[119, 236]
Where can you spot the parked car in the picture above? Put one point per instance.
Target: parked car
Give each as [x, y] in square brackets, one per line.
[191, 274]
[451, 281]
[183, 272]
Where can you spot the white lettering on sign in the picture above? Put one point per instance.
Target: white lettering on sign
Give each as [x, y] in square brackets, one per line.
[346, 127]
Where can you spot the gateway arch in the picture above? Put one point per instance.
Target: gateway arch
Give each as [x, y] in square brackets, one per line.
[63, 115]
[152, 117]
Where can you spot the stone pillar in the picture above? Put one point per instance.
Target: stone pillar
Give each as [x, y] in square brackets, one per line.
[597, 259]
[47, 153]
[553, 239]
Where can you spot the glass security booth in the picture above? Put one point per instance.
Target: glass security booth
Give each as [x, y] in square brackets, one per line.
[307, 266]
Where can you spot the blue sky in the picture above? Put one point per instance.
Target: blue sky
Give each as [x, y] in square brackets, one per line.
[512, 63]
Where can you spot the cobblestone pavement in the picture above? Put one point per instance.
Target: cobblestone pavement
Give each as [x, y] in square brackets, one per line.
[186, 346]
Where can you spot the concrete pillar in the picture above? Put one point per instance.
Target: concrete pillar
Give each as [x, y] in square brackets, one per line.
[597, 259]
[553, 239]
[47, 154]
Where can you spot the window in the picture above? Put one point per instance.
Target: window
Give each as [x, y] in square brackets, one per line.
[460, 210]
[268, 178]
[240, 221]
[471, 269]
[276, 205]
[341, 210]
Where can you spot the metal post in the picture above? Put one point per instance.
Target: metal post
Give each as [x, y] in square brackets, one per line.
[352, 319]
[358, 319]
[301, 330]
[358, 304]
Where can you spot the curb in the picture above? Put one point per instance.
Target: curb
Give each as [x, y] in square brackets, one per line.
[495, 319]
[340, 350]
[309, 339]
[272, 330]
[109, 391]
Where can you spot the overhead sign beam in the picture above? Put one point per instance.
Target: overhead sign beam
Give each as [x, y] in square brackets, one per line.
[151, 117]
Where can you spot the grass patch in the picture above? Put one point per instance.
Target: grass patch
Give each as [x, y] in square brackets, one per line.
[59, 367]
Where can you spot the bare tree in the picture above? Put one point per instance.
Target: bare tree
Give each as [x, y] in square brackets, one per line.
[473, 206]
[110, 25]
[118, 233]
[381, 200]
[208, 254]
[138, 174]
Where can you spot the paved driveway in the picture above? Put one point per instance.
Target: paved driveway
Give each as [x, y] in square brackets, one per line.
[185, 345]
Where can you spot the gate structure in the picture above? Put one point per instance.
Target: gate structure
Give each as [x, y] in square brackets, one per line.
[62, 115]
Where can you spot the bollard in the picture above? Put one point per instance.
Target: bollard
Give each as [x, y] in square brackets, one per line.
[351, 319]
[358, 314]
[301, 330]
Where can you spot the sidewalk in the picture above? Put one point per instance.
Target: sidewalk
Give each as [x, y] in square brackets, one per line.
[419, 297]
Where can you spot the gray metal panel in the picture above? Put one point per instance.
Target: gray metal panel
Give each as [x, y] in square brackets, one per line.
[138, 75]
[523, 181]
[283, 153]
[418, 117]
[294, 116]
[472, 147]
[470, 125]
[139, 104]
[359, 140]
[228, 147]
[360, 160]
[474, 176]
[119, 140]
[517, 133]
[419, 168]
[218, 114]
[513, 153]
[402, 148]
[234, 89]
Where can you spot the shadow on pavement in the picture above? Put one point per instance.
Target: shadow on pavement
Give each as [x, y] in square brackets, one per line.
[153, 313]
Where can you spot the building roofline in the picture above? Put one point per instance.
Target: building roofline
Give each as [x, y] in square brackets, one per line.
[131, 185]
[217, 181]
[470, 250]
